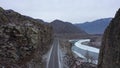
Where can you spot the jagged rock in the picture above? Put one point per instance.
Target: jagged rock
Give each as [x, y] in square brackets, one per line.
[110, 51]
[23, 40]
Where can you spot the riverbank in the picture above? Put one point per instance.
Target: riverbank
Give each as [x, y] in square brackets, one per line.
[71, 59]
[87, 53]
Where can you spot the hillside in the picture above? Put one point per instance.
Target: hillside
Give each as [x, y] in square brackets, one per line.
[23, 40]
[95, 27]
[66, 29]
[61, 27]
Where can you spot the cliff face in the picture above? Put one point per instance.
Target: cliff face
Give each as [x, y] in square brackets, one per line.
[23, 40]
[110, 51]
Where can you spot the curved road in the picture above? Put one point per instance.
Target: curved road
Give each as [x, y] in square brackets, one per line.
[54, 57]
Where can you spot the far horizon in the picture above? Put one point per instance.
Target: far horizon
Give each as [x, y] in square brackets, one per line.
[78, 22]
[78, 11]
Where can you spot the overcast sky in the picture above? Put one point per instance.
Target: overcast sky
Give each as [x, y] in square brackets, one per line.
[75, 11]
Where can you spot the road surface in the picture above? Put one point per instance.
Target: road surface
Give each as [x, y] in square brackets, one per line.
[54, 56]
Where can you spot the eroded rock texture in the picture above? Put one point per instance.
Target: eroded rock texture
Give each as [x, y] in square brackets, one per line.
[23, 40]
[110, 51]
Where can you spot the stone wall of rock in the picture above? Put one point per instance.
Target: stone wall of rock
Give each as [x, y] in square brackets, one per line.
[23, 40]
[110, 51]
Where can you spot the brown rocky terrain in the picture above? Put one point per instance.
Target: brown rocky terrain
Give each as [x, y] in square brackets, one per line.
[23, 40]
[110, 50]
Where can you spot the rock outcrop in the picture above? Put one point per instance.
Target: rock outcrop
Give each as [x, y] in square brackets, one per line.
[110, 51]
[23, 40]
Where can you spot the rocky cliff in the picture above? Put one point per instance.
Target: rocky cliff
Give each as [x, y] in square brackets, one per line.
[110, 51]
[23, 40]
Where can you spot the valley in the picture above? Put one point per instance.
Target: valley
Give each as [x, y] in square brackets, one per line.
[27, 42]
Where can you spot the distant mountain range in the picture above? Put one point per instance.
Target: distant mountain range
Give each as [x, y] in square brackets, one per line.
[95, 27]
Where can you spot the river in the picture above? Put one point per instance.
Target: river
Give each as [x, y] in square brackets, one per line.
[87, 53]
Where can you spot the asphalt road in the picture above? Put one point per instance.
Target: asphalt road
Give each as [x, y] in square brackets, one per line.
[54, 59]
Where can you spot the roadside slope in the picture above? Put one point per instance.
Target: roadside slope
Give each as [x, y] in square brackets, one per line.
[23, 40]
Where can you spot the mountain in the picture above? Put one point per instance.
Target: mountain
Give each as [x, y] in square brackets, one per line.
[109, 56]
[64, 27]
[95, 27]
[41, 21]
[60, 27]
